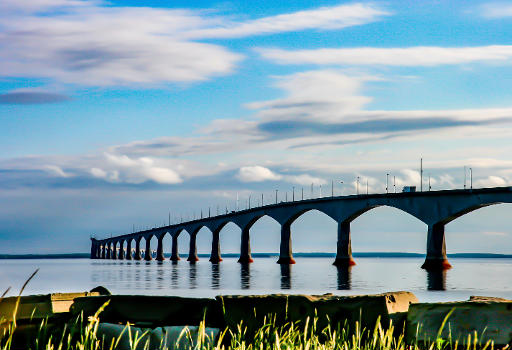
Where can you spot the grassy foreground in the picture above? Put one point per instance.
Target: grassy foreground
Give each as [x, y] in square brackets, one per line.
[83, 335]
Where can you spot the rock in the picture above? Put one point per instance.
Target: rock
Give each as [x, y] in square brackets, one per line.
[490, 318]
[153, 311]
[111, 334]
[119, 337]
[38, 306]
[329, 309]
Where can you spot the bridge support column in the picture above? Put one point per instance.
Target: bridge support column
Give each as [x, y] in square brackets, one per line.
[175, 256]
[436, 249]
[114, 251]
[137, 250]
[109, 250]
[104, 251]
[93, 249]
[192, 252]
[147, 256]
[215, 257]
[344, 246]
[98, 251]
[245, 247]
[285, 251]
[160, 250]
[120, 256]
[128, 255]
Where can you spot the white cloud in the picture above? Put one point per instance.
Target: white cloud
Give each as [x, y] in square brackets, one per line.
[257, 174]
[305, 179]
[409, 56]
[495, 233]
[91, 43]
[335, 17]
[84, 43]
[495, 10]
[56, 170]
[491, 181]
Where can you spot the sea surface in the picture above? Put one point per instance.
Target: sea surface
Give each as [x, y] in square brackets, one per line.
[469, 276]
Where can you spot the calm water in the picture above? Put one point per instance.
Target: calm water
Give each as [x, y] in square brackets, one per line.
[490, 277]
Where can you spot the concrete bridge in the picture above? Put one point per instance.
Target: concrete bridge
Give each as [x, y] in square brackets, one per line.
[434, 208]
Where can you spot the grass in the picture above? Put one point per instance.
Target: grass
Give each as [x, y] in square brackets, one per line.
[81, 334]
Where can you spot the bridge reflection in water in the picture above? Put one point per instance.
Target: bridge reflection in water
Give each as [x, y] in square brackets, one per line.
[152, 277]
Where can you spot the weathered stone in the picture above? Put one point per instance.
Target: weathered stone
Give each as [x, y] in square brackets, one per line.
[119, 337]
[145, 310]
[490, 318]
[38, 306]
[329, 309]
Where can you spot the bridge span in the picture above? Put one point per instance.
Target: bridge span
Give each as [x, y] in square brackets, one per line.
[434, 208]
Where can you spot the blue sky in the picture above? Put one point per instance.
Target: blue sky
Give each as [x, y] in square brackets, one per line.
[114, 114]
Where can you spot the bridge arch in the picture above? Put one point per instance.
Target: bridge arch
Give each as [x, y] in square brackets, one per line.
[313, 221]
[473, 232]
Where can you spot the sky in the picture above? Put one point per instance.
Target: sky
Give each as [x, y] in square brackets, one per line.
[117, 115]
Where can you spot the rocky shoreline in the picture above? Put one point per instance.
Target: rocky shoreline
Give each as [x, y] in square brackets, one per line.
[490, 318]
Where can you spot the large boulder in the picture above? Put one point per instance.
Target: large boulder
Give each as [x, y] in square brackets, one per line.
[253, 310]
[36, 307]
[490, 318]
[151, 311]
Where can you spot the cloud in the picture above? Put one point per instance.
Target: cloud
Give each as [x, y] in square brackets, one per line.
[491, 181]
[495, 10]
[31, 97]
[409, 56]
[93, 44]
[256, 174]
[82, 42]
[327, 18]
[495, 233]
[55, 170]
[305, 179]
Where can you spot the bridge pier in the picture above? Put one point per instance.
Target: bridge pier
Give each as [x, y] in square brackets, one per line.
[147, 255]
[344, 246]
[114, 250]
[436, 258]
[192, 252]
[215, 257]
[120, 256]
[175, 256]
[245, 247]
[137, 249]
[93, 248]
[285, 249]
[103, 251]
[128, 249]
[160, 249]
[109, 250]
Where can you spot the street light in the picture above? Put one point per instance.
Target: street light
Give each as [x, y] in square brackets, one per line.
[464, 177]
[357, 185]
[332, 188]
[293, 194]
[341, 182]
[394, 183]
[276, 196]
[387, 183]
[471, 178]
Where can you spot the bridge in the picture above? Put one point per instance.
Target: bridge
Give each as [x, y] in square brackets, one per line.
[434, 208]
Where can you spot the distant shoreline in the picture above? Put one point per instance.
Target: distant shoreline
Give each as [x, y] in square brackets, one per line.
[267, 255]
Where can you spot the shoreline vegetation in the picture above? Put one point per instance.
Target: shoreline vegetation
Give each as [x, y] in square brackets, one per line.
[269, 255]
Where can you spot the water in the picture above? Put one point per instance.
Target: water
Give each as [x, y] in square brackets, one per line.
[489, 277]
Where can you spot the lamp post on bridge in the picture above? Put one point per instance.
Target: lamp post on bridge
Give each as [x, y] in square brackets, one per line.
[357, 185]
[276, 196]
[293, 193]
[471, 178]
[387, 183]
[341, 182]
